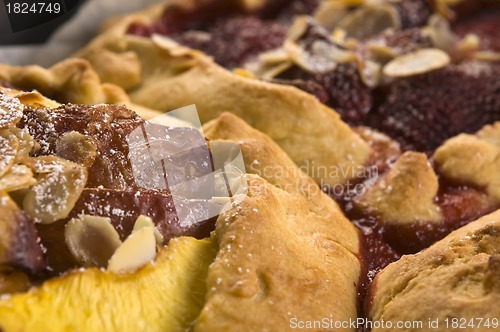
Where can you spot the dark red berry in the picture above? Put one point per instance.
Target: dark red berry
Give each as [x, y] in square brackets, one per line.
[233, 41]
[421, 112]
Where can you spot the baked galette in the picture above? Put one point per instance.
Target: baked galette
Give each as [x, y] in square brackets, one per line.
[369, 133]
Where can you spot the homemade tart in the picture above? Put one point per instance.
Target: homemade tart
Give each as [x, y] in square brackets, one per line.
[332, 240]
[287, 250]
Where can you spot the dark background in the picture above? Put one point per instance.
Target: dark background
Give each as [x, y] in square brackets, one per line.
[34, 35]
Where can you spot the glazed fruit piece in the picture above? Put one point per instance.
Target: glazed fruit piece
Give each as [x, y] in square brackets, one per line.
[98, 137]
[102, 138]
[103, 144]
[166, 295]
[123, 207]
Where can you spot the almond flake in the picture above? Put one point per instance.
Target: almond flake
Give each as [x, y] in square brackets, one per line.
[144, 221]
[26, 142]
[418, 62]
[170, 45]
[274, 56]
[91, 240]
[329, 13]
[11, 111]
[76, 147]
[322, 58]
[59, 185]
[136, 251]
[17, 177]
[370, 20]
[9, 147]
[487, 56]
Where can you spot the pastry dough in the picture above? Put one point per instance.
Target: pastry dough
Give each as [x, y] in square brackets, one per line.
[286, 251]
[473, 159]
[71, 80]
[263, 157]
[172, 76]
[406, 193]
[277, 261]
[456, 277]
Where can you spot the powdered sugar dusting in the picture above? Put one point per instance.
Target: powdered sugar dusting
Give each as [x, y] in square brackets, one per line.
[8, 152]
[11, 111]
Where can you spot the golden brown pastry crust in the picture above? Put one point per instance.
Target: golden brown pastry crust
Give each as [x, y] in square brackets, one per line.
[265, 158]
[456, 277]
[71, 80]
[406, 193]
[473, 159]
[286, 251]
[277, 260]
[173, 76]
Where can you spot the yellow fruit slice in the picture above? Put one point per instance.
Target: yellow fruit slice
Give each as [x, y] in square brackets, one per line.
[165, 296]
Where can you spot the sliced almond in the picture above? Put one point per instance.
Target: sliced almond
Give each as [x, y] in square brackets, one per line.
[76, 147]
[339, 36]
[322, 58]
[9, 147]
[170, 45]
[136, 251]
[18, 177]
[330, 13]
[59, 185]
[418, 62]
[26, 142]
[442, 7]
[274, 56]
[11, 111]
[370, 20]
[370, 72]
[439, 31]
[144, 221]
[487, 56]
[381, 52]
[91, 240]
[269, 72]
[467, 46]
[243, 73]
[298, 28]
